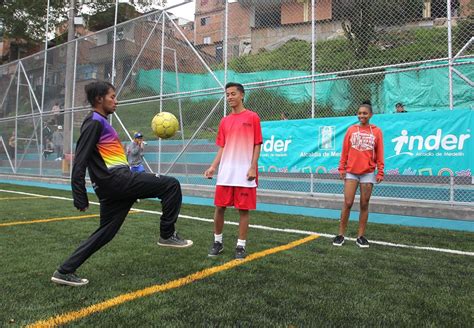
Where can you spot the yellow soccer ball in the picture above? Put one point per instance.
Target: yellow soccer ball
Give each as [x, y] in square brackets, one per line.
[164, 125]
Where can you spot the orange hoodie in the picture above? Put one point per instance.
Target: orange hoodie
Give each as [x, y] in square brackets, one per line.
[362, 150]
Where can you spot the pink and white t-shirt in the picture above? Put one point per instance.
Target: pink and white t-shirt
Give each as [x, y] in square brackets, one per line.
[238, 134]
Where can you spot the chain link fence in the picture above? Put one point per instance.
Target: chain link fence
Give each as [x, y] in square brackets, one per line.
[418, 53]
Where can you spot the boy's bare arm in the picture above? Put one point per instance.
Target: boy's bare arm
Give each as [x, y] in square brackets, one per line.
[210, 171]
[252, 172]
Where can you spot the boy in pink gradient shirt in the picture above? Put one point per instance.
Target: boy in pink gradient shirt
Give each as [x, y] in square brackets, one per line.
[239, 139]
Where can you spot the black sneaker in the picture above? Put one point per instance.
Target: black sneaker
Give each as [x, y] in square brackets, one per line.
[338, 240]
[175, 241]
[362, 242]
[216, 249]
[240, 252]
[70, 279]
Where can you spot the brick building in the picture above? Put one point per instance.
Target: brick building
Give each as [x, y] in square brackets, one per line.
[254, 24]
[258, 24]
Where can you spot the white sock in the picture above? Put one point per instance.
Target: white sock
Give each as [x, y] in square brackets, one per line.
[241, 242]
[218, 238]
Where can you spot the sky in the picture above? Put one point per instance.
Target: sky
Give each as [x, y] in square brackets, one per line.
[184, 11]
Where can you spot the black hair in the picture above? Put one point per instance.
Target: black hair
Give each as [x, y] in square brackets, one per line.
[367, 104]
[239, 86]
[399, 105]
[97, 89]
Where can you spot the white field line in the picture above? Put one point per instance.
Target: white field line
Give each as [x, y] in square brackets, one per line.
[255, 226]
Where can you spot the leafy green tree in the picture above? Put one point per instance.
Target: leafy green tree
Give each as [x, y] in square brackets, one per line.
[361, 18]
[23, 21]
[106, 18]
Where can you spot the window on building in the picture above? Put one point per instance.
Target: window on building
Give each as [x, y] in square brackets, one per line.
[87, 72]
[120, 35]
[126, 67]
[235, 50]
[268, 16]
[205, 21]
[219, 53]
[427, 9]
[439, 8]
[108, 71]
[206, 40]
[38, 81]
[306, 11]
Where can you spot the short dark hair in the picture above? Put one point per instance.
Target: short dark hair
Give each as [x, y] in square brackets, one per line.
[97, 89]
[239, 86]
[367, 104]
[399, 105]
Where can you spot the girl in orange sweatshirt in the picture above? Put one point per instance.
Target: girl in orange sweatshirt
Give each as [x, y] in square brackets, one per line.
[362, 153]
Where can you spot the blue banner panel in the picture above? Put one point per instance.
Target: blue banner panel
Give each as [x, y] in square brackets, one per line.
[427, 143]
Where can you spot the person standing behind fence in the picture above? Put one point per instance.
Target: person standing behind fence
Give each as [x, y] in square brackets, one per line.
[48, 148]
[362, 153]
[400, 108]
[47, 133]
[58, 142]
[239, 139]
[100, 151]
[56, 110]
[135, 153]
[11, 145]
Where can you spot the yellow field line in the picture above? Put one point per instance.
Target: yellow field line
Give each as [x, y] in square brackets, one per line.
[79, 217]
[64, 318]
[25, 197]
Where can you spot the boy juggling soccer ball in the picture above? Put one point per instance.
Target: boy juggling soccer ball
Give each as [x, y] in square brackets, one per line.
[239, 139]
[362, 153]
[100, 151]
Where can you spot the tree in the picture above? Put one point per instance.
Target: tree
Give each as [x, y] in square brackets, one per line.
[23, 21]
[361, 18]
[105, 18]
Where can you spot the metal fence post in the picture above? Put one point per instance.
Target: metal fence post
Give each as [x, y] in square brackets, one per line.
[226, 49]
[44, 86]
[451, 189]
[450, 55]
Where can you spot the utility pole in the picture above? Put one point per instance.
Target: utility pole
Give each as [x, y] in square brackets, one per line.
[69, 84]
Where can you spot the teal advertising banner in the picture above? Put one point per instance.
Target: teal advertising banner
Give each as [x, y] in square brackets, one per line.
[426, 143]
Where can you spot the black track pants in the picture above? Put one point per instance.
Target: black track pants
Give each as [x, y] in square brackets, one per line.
[116, 198]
